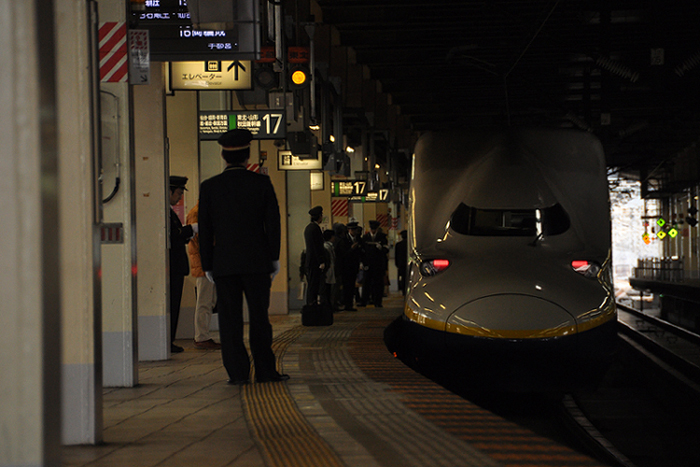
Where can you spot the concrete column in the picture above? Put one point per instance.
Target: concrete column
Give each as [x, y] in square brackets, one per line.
[30, 307]
[152, 217]
[80, 254]
[119, 339]
[298, 197]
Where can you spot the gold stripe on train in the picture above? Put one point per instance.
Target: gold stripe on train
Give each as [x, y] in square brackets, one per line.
[605, 315]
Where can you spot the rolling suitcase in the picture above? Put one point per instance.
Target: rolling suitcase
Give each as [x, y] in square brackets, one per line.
[317, 315]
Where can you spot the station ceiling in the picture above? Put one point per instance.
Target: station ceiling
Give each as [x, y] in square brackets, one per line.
[627, 71]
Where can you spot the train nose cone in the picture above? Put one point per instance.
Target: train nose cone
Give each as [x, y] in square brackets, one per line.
[511, 316]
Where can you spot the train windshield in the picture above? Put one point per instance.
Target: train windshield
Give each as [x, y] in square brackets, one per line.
[467, 220]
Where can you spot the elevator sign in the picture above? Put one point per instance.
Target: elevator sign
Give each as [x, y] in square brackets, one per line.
[211, 75]
[264, 124]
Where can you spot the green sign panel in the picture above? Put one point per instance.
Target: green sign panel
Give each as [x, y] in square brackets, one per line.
[264, 124]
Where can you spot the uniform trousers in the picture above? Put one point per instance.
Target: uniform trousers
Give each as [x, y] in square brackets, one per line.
[349, 279]
[315, 277]
[230, 291]
[373, 287]
[176, 283]
[206, 299]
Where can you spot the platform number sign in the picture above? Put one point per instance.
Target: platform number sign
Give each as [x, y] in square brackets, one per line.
[358, 191]
[266, 124]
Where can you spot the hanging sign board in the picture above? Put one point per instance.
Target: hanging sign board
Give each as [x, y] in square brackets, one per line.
[288, 161]
[212, 75]
[139, 58]
[264, 124]
[173, 38]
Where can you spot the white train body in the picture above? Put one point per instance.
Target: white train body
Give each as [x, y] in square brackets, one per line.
[509, 252]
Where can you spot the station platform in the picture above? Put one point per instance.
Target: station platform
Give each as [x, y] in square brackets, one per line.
[349, 402]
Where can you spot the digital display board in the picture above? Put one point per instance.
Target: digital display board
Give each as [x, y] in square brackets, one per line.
[358, 191]
[264, 124]
[173, 38]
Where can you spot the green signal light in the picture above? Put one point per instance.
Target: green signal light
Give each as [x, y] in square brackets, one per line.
[661, 222]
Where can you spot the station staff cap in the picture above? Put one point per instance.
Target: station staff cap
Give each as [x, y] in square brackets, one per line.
[235, 140]
[176, 181]
[316, 211]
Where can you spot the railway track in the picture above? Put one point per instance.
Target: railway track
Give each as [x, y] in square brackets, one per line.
[646, 411]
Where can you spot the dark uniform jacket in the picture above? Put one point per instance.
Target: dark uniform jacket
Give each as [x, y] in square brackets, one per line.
[179, 236]
[376, 250]
[315, 253]
[239, 223]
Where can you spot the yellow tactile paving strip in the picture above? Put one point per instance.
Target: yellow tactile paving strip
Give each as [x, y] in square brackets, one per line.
[282, 433]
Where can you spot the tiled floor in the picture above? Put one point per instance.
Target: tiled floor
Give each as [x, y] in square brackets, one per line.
[182, 414]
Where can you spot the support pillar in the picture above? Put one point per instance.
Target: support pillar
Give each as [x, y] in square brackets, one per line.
[30, 308]
[119, 338]
[152, 211]
[81, 366]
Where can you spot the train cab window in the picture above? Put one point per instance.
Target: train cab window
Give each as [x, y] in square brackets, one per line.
[467, 220]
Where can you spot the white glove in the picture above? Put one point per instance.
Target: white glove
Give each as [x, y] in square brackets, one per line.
[195, 228]
[379, 246]
[210, 276]
[275, 269]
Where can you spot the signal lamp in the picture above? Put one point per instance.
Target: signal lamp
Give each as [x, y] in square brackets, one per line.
[433, 266]
[266, 78]
[299, 77]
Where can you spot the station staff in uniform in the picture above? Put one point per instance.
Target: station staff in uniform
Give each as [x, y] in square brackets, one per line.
[239, 241]
[375, 264]
[179, 266]
[315, 255]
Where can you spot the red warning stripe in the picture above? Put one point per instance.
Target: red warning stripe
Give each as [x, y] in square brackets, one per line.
[114, 66]
[339, 207]
[383, 220]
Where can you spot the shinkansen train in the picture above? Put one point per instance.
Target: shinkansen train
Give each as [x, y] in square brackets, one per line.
[509, 275]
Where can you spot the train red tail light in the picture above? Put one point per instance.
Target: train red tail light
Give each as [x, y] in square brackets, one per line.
[433, 266]
[586, 268]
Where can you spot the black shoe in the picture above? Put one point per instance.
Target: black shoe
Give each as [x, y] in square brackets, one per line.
[272, 379]
[175, 348]
[238, 382]
[379, 306]
[351, 309]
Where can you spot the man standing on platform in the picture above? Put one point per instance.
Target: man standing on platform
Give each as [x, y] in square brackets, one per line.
[351, 264]
[315, 255]
[179, 266]
[239, 242]
[375, 263]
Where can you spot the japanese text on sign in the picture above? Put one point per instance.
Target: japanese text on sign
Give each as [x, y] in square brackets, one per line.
[262, 124]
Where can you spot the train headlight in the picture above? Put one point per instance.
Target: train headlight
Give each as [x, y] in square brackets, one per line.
[588, 269]
[433, 266]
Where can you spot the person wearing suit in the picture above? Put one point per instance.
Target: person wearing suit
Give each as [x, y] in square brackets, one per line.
[350, 265]
[375, 263]
[315, 255]
[239, 245]
[179, 266]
